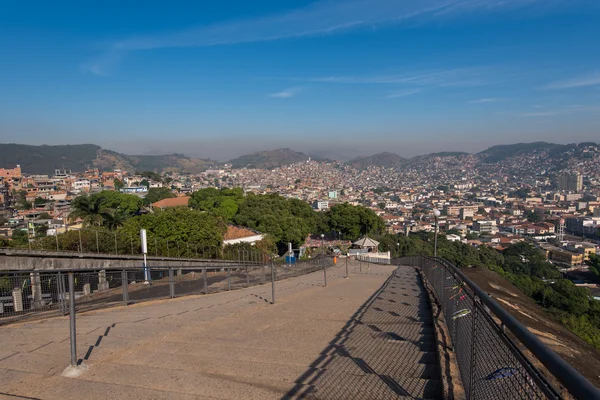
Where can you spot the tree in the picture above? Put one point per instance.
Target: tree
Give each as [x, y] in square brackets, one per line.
[285, 220]
[145, 182]
[381, 206]
[44, 215]
[157, 194]
[532, 216]
[39, 201]
[178, 224]
[20, 237]
[106, 206]
[88, 209]
[223, 202]
[118, 184]
[41, 230]
[353, 221]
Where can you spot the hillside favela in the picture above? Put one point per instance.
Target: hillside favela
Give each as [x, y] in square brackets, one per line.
[326, 199]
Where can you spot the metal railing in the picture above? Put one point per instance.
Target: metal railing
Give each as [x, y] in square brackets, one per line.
[46, 294]
[26, 294]
[490, 344]
[92, 241]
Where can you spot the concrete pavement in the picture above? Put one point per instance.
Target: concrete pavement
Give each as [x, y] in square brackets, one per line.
[235, 345]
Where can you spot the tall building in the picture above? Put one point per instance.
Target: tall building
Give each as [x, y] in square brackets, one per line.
[570, 182]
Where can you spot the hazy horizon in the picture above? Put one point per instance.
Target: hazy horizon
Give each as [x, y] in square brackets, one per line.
[344, 154]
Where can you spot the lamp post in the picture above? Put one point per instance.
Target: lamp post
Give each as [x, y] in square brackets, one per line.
[398, 249]
[436, 214]
[322, 242]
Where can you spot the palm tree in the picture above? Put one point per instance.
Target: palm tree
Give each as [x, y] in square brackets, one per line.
[88, 209]
[113, 218]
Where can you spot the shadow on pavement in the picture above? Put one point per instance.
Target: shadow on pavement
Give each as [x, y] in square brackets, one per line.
[387, 349]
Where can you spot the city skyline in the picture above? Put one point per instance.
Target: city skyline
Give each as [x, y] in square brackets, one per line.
[355, 77]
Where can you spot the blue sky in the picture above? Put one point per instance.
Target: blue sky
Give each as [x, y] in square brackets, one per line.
[219, 79]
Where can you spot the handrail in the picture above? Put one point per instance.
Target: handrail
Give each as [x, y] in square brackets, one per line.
[572, 380]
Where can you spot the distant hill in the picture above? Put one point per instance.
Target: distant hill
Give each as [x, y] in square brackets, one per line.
[388, 160]
[268, 159]
[502, 152]
[45, 159]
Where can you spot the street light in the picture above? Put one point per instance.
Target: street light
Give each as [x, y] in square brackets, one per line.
[398, 247]
[436, 214]
[322, 242]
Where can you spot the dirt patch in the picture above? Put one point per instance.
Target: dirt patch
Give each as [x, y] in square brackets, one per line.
[581, 355]
[504, 290]
[511, 305]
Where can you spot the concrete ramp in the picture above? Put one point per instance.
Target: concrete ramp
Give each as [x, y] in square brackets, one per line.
[366, 337]
[387, 350]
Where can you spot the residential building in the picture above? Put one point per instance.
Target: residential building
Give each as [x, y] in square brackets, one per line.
[485, 227]
[570, 182]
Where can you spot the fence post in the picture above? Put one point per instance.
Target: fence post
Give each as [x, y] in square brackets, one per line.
[228, 278]
[347, 275]
[473, 350]
[171, 283]
[125, 285]
[177, 243]
[247, 277]
[97, 244]
[73, 327]
[131, 245]
[56, 236]
[205, 284]
[325, 271]
[168, 252]
[62, 296]
[80, 243]
[264, 273]
[272, 283]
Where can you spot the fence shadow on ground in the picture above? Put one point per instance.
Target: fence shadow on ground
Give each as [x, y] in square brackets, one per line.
[386, 350]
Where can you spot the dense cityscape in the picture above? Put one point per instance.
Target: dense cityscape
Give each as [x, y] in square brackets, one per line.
[308, 199]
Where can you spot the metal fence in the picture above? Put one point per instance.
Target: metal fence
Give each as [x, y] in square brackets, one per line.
[99, 241]
[489, 343]
[47, 293]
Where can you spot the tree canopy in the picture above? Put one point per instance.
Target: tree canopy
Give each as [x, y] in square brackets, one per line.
[178, 224]
[158, 194]
[353, 221]
[105, 208]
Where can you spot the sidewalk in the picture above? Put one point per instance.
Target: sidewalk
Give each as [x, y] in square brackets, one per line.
[228, 345]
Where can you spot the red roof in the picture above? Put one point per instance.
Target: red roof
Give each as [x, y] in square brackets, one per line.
[172, 202]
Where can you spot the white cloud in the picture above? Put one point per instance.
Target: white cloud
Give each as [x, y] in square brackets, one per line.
[592, 79]
[486, 100]
[285, 94]
[403, 93]
[538, 114]
[322, 17]
[458, 77]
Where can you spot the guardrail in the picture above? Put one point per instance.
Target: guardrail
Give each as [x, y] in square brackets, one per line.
[489, 343]
[25, 294]
[46, 294]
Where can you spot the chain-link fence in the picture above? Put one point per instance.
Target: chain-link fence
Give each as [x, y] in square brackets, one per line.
[488, 342]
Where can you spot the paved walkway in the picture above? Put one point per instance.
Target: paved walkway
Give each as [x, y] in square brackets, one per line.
[364, 337]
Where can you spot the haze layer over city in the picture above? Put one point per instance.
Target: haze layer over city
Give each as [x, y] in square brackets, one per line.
[328, 199]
